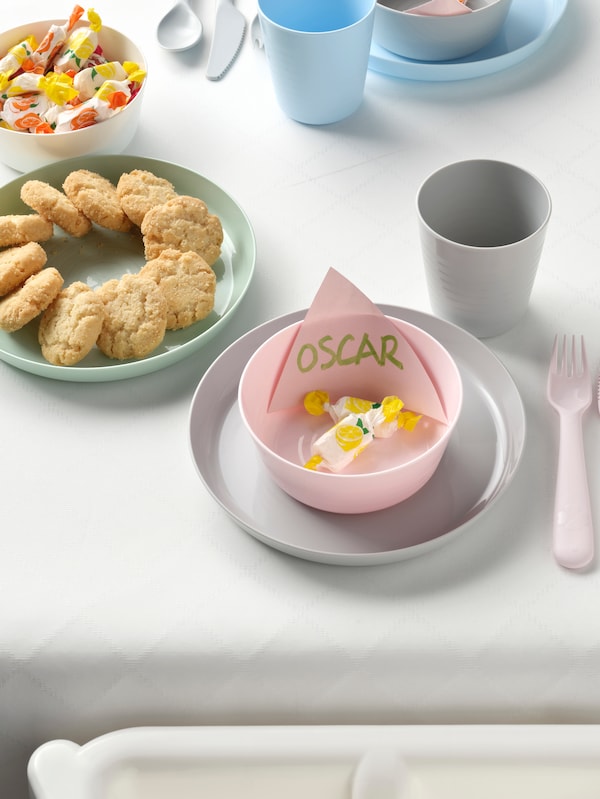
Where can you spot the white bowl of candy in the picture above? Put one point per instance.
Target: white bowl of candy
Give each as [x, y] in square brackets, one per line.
[437, 30]
[348, 454]
[69, 88]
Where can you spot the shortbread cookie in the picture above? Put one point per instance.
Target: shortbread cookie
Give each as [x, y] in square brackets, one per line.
[139, 191]
[18, 229]
[19, 263]
[71, 324]
[188, 284]
[183, 223]
[135, 317]
[29, 300]
[96, 198]
[54, 205]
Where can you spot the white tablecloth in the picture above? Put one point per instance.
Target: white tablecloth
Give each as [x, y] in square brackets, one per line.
[129, 597]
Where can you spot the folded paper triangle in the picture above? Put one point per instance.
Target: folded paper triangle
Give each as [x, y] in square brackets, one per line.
[348, 347]
[440, 8]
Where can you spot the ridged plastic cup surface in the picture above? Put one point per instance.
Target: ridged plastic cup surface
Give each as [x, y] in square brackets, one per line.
[482, 225]
[318, 54]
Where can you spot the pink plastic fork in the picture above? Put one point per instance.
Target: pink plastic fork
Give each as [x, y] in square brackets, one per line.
[570, 394]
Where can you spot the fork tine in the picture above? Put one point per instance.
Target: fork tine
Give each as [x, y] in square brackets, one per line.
[572, 367]
[579, 366]
[584, 363]
[567, 359]
[554, 356]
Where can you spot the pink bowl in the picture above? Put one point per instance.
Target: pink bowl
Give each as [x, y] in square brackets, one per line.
[379, 477]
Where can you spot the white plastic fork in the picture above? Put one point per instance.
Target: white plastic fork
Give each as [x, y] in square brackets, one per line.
[570, 394]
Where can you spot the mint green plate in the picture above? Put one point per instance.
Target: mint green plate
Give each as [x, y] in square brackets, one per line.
[104, 254]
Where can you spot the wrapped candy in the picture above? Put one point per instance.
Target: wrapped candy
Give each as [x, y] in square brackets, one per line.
[42, 57]
[89, 80]
[317, 402]
[338, 446]
[374, 420]
[80, 46]
[388, 416]
[58, 89]
[12, 61]
[346, 405]
[25, 112]
[108, 100]
[25, 83]
[383, 416]
[91, 112]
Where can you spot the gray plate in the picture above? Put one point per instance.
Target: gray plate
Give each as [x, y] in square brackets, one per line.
[481, 459]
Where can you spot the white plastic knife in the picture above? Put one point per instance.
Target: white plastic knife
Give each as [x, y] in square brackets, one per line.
[230, 26]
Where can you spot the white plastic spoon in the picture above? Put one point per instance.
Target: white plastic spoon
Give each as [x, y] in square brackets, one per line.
[180, 28]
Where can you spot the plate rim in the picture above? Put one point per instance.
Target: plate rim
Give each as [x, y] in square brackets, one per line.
[351, 558]
[398, 67]
[151, 363]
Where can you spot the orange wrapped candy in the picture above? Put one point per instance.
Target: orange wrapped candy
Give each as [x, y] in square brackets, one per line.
[42, 57]
[25, 112]
[108, 100]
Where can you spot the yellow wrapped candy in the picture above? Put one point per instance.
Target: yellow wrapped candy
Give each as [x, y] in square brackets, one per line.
[408, 420]
[12, 61]
[340, 445]
[357, 423]
[58, 89]
[79, 46]
[316, 402]
[88, 80]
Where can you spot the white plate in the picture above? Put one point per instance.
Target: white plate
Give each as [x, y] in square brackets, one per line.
[103, 254]
[528, 25]
[295, 761]
[480, 461]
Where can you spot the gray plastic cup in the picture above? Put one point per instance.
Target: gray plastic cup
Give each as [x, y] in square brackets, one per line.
[482, 227]
[318, 54]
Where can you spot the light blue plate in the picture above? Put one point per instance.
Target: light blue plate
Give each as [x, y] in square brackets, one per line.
[103, 254]
[527, 27]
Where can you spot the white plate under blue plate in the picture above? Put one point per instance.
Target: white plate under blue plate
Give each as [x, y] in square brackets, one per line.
[104, 254]
[528, 25]
[480, 462]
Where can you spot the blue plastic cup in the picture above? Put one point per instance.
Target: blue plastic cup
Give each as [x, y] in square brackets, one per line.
[318, 54]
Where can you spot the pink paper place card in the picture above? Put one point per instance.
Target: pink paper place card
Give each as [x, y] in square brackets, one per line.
[440, 8]
[348, 347]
